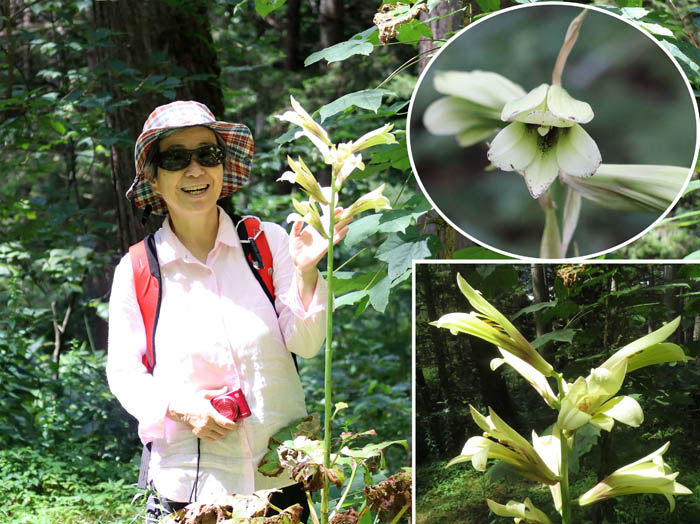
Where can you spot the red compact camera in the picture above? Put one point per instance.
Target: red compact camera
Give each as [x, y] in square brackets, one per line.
[232, 405]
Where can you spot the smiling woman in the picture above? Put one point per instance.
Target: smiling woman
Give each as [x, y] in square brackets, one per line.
[218, 334]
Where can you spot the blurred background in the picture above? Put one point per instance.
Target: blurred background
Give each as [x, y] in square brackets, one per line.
[643, 114]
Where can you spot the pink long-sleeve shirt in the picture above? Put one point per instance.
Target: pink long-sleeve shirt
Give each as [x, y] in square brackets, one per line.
[216, 328]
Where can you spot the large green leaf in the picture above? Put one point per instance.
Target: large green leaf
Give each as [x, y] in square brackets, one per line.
[398, 252]
[359, 44]
[370, 99]
[394, 221]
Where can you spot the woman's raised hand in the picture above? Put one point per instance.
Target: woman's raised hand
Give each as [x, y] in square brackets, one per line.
[307, 246]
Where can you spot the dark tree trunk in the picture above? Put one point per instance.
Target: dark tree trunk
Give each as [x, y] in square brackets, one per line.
[155, 38]
[292, 60]
[438, 343]
[541, 293]
[494, 392]
[330, 22]
[441, 29]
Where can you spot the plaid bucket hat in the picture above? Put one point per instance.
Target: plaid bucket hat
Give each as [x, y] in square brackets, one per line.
[238, 142]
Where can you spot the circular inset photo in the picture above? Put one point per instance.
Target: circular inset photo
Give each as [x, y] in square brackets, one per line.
[553, 131]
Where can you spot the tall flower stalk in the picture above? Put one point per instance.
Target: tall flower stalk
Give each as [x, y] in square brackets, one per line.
[322, 212]
[586, 400]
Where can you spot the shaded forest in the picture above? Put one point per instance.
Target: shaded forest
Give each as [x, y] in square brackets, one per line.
[575, 316]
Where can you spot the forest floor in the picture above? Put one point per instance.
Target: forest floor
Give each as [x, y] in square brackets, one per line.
[457, 495]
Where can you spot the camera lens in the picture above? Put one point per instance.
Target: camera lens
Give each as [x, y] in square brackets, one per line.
[228, 408]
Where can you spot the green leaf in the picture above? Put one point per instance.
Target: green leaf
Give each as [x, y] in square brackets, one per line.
[586, 438]
[398, 252]
[694, 185]
[370, 99]
[693, 256]
[357, 45]
[489, 5]
[58, 127]
[688, 57]
[534, 308]
[393, 221]
[265, 7]
[479, 253]
[411, 32]
[561, 335]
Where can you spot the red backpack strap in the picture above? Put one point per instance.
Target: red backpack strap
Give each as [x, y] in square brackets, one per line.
[144, 263]
[257, 251]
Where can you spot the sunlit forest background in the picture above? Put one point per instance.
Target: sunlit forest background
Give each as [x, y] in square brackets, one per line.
[576, 316]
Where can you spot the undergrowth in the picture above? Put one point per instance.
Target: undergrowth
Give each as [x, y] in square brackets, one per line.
[457, 495]
[65, 486]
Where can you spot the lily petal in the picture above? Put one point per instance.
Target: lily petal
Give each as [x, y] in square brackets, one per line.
[565, 106]
[533, 100]
[540, 174]
[487, 89]
[577, 152]
[513, 148]
[624, 409]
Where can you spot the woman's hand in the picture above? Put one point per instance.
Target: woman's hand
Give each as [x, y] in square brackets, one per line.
[196, 411]
[306, 248]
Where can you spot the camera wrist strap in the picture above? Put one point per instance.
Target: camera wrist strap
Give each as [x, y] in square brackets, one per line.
[195, 485]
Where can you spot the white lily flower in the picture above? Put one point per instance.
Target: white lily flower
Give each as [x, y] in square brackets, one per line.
[541, 158]
[520, 511]
[491, 325]
[647, 475]
[310, 128]
[536, 379]
[649, 350]
[472, 109]
[377, 137]
[372, 200]
[301, 175]
[308, 213]
[592, 400]
[631, 187]
[545, 139]
[508, 445]
[549, 448]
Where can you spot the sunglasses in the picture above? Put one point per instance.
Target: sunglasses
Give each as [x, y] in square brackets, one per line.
[176, 159]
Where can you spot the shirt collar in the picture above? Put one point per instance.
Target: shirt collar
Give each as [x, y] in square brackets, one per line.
[171, 249]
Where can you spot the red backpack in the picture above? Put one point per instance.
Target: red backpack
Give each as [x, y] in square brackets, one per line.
[147, 281]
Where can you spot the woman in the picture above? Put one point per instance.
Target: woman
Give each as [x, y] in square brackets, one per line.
[217, 331]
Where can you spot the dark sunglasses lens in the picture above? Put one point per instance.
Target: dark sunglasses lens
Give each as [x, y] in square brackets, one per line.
[174, 160]
[210, 156]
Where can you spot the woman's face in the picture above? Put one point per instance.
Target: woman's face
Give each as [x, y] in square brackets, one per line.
[193, 189]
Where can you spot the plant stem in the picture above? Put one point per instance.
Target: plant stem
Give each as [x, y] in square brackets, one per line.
[339, 506]
[399, 515]
[325, 495]
[564, 474]
[565, 499]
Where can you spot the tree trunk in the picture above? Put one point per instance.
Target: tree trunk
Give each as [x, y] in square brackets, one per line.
[541, 293]
[330, 22]
[442, 28]
[156, 38]
[292, 59]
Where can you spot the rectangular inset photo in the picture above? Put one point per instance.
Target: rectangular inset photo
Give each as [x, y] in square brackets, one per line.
[557, 393]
